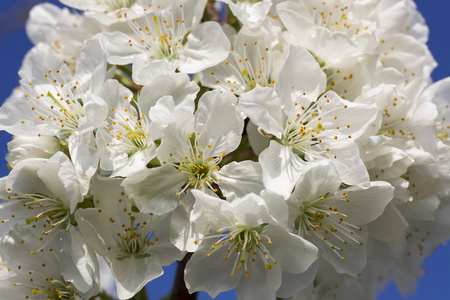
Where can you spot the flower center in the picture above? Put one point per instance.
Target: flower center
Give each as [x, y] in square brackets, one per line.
[199, 171]
[133, 241]
[336, 16]
[41, 213]
[325, 222]
[60, 106]
[250, 65]
[247, 243]
[165, 36]
[57, 290]
[129, 129]
[303, 132]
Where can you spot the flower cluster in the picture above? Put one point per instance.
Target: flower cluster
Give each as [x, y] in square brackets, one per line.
[289, 148]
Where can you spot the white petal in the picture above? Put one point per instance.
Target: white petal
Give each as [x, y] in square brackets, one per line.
[136, 162]
[95, 114]
[300, 76]
[355, 256]
[239, 179]
[160, 114]
[292, 283]
[206, 210]
[84, 156]
[262, 284]
[38, 64]
[58, 174]
[91, 66]
[154, 190]
[281, 168]
[282, 249]
[319, 178]
[365, 205]
[349, 165]
[114, 93]
[182, 234]
[23, 178]
[277, 207]
[94, 232]
[391, 227]
[175, 135]
[23, 147]
[83, 269]
[219, 123]
[118, 48]
[177, 85]
[263, 107]
[210, 274]
[145, 71]
[206, 46]
[132, 275]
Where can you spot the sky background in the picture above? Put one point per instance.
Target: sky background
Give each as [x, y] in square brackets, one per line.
[14, 44]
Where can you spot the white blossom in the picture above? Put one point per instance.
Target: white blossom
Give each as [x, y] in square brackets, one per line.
[170, 34]
[284, 149]
[38, 274]
[134, 245]
[192, 146]
[243, 247]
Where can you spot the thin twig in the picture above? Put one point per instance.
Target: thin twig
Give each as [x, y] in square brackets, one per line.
[179, 290]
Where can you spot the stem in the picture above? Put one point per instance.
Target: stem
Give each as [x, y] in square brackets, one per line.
[141, 295]
[179, 290]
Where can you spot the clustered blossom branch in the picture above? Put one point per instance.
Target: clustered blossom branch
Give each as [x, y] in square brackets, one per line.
[292, 149]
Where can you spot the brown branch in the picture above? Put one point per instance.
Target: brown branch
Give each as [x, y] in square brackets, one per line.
[179, 290]
[213, 14]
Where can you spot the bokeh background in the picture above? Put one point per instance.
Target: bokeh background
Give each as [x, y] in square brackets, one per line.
[14, 44]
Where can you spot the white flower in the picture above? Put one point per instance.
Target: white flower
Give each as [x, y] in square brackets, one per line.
[331, 285]
[404, 133]
[250, 13]
[330, 217]
[171, 34]
[42, 196]
[306, 127]
[235, 181]
[192, 146]
[422, 239]
[126, 143]
[38, 274]
[134, 245]
[59, 32]
[399, 17]
[251, 62]
[336, 32]
[243, 247]
[407, 55]
[21, 148]
[55, 103]
[108, 12]
[438, 94]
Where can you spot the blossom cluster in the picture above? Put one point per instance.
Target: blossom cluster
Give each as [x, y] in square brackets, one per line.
[291, 148]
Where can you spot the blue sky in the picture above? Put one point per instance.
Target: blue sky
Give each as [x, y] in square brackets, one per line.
[14, 44]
